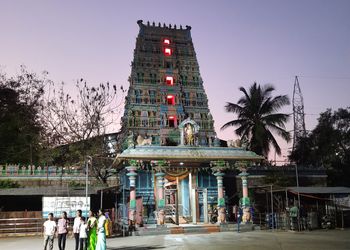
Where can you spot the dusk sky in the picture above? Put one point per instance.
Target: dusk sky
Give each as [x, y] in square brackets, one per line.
[237, 43]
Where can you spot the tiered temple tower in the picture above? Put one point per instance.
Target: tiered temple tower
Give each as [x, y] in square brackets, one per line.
[166, 87]
[171, 161]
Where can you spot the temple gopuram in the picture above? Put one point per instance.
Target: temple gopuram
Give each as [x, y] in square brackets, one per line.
[171, 165]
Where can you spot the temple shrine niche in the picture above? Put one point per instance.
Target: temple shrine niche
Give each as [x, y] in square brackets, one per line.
[172, 168]
[189, 132]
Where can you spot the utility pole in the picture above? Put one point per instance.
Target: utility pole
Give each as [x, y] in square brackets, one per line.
[88, 161]
[299, 124]
[298, 114]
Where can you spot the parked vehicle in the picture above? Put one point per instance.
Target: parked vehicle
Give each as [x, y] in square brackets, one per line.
[213, 215]
[327, 222]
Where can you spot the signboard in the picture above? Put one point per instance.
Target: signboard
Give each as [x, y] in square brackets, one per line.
[343, 202]
[57, 205]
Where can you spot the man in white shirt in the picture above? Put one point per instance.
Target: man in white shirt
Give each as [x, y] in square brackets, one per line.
[76, 228]
[49, 231]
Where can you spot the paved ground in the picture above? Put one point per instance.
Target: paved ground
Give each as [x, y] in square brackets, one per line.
[329, 240]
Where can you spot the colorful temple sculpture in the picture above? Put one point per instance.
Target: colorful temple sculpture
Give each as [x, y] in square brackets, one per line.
[171, 165]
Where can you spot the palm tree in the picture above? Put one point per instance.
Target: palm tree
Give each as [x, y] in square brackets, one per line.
[258, 118]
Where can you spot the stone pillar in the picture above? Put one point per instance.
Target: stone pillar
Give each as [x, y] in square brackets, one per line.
[194, 197]
[245, 203]
[132, 205]
[221, 200]
[160, 198]
[182, 139]
[218, 167]
[205, 205]
[159, 167]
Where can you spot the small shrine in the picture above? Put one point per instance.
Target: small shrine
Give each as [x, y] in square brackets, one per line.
[189, 133]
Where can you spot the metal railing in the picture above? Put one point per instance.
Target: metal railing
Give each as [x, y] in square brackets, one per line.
[11, 172]
[21, 225]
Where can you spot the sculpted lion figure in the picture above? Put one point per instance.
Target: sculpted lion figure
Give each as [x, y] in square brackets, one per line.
[144, 141]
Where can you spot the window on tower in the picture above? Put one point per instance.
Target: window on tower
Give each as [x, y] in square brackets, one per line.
[167, 51]
[169, 80]
[166, 41]
[171, 99]
[171, 121]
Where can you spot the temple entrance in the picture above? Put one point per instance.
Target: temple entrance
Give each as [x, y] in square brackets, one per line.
[202, 214]
[177, 201]
[171, 205]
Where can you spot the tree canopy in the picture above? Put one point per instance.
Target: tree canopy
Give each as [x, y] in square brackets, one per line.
[258, 118]
[76, 126]
[42, 123]
[20, 121]
[328, 145]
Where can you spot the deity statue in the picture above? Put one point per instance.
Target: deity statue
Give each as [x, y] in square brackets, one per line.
[161, 217]
[189, 135]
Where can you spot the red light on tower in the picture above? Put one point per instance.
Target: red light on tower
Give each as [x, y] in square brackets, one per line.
[171, 99]
[171, 121]
[166, 41]
[169, 80]
[167, 51]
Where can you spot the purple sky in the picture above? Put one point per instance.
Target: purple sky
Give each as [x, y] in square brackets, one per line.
[237, 43]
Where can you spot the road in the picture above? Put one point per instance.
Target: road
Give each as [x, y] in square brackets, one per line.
[327, 240]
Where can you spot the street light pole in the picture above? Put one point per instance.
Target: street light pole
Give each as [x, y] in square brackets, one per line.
[88, 160]
[297, 178]
[272, 217]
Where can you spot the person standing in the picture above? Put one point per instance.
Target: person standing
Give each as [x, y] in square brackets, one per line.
[293, 214]
[49, 231]
[76, 228]
[62, 230]
[101, 236]
[83, 234]
[92, 226]
[108, 225]
[235, 212]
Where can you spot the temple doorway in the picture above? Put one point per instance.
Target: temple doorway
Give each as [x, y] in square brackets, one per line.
[177, 200]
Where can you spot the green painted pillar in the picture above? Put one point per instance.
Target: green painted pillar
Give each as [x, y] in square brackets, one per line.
[245, 201]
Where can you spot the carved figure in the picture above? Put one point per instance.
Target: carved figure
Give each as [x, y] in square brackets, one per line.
[246, 215]
[144, 141]
[161, 217]
[234, 143]
[189, 135]
[131, 142]
[221, 215]
[147, 141]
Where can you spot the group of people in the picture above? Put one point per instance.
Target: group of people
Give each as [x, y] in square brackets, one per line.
[89, 234]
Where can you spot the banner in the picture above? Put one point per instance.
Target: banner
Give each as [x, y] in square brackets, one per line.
[57, 205]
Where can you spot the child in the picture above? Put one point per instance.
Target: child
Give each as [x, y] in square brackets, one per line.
[83, 234]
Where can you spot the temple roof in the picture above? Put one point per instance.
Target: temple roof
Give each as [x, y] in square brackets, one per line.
[187, 153]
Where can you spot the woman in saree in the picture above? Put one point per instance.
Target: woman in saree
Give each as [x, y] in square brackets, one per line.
[101, 234]
[92, 227]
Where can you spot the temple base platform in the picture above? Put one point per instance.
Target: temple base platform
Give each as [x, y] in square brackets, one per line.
[168, 228]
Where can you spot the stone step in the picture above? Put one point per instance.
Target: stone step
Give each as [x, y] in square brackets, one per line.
[191, 229]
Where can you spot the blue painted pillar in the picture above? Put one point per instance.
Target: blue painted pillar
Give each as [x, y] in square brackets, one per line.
[185, 194]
